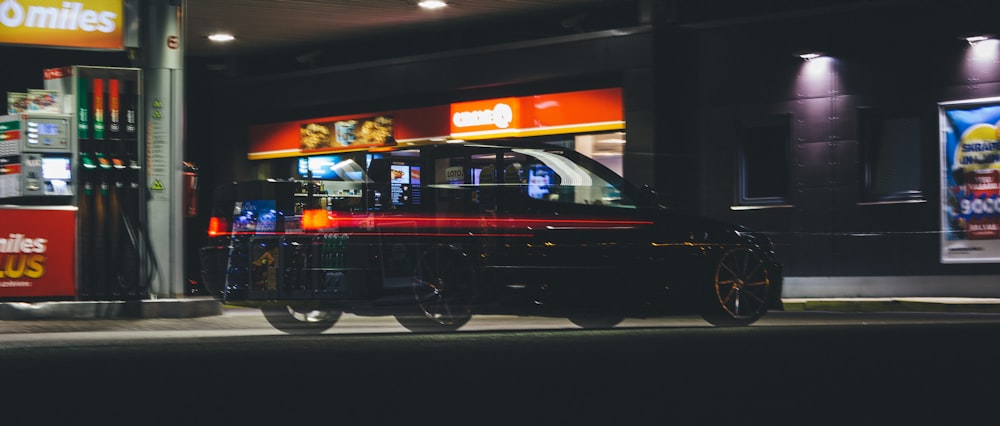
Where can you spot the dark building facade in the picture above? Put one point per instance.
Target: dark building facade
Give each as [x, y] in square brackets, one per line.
[838, 157]
[858, 203]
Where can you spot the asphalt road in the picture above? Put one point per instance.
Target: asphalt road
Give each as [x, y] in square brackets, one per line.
[802, 368]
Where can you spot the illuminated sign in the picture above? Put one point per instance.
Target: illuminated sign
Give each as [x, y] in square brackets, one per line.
[37, 252]
[88, 24]
[496, 115]
[582, 111]
[970, 181]
[548, 114]
[346, 134]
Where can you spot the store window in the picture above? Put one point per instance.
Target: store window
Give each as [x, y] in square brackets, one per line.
[763, 160]
[890, 150]
[605, 148]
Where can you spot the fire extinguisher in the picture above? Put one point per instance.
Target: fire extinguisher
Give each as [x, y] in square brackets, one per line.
[190, 189]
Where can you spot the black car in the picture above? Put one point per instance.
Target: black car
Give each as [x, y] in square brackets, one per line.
[432, 233]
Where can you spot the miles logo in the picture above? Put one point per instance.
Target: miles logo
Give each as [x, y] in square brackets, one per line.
[22, 257]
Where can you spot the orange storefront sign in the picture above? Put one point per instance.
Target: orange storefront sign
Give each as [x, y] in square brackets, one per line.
[548, 114]
[88, 24]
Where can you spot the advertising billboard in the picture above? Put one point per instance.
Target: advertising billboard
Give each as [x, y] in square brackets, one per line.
[85, 24]
[37, 252]
[970, 181]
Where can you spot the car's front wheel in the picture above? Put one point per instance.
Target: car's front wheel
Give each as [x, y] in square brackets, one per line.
[300, 318]
[739, 290]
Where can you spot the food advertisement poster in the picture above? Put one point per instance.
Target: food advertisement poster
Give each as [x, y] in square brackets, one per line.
[345, 134]
[970, 181]
[37, 253]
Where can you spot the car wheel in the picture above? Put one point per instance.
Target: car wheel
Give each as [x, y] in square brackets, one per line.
[300, 319]
[739, 292]
[442, 282]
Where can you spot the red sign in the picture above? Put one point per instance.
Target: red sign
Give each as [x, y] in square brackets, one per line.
[549, 114]
[37, 253]
[984, 187]
[57, 73]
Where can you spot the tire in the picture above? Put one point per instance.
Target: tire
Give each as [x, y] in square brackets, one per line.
[738, 295]
[300, 319]
[443, 280]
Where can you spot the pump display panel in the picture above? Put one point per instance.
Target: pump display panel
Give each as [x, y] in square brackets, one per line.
[37, 156]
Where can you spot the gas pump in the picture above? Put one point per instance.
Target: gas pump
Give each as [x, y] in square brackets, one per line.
[36, 158]
[103, 103]
[71, 191]
[38, 213]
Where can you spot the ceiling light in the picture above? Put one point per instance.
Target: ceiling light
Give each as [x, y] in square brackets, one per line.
[432, 4]
[221, 37]
[809, 55]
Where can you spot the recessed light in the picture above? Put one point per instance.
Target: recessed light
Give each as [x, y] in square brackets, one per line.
[432, 4]
[221, 37]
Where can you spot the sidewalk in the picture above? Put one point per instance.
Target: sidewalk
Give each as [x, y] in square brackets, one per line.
[205, 306]
[153, 308]
[895, 304]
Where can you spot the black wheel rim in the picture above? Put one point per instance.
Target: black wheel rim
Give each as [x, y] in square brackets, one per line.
[741, 284]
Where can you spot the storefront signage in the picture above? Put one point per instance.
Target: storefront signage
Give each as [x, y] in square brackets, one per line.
[485, 116]
[37, 252]
[549, 114]
[346, 134]
[88, 24]
[970, 181]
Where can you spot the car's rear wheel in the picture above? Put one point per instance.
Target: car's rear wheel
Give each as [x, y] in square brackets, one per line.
[442, 288]
[739, 291]
[300, 318]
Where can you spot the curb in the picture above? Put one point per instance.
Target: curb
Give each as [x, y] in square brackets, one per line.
[201, 307]
[911, 304]
[155, 308]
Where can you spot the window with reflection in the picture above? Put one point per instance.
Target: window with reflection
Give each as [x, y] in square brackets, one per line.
[890, 151]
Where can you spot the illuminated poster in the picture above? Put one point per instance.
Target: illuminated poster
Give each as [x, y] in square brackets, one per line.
[970, 181]
[37, 252]
[346, 134]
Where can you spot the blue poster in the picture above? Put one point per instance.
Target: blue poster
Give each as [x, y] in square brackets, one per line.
[970, 184]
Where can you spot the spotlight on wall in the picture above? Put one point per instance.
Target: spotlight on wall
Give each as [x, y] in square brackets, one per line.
[977, 38]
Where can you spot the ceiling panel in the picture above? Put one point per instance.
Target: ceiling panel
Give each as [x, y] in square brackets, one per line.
[266, 25]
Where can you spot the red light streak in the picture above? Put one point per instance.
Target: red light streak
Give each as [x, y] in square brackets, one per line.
[319, 221]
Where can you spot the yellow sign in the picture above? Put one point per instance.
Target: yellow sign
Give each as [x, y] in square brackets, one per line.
[157, 185]
[89, 24]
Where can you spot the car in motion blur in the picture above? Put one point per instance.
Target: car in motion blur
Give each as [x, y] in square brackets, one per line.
[434, 233]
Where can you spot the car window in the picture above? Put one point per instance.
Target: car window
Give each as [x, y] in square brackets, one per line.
[549, 176]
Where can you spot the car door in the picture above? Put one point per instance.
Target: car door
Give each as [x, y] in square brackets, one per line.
[564, 232]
